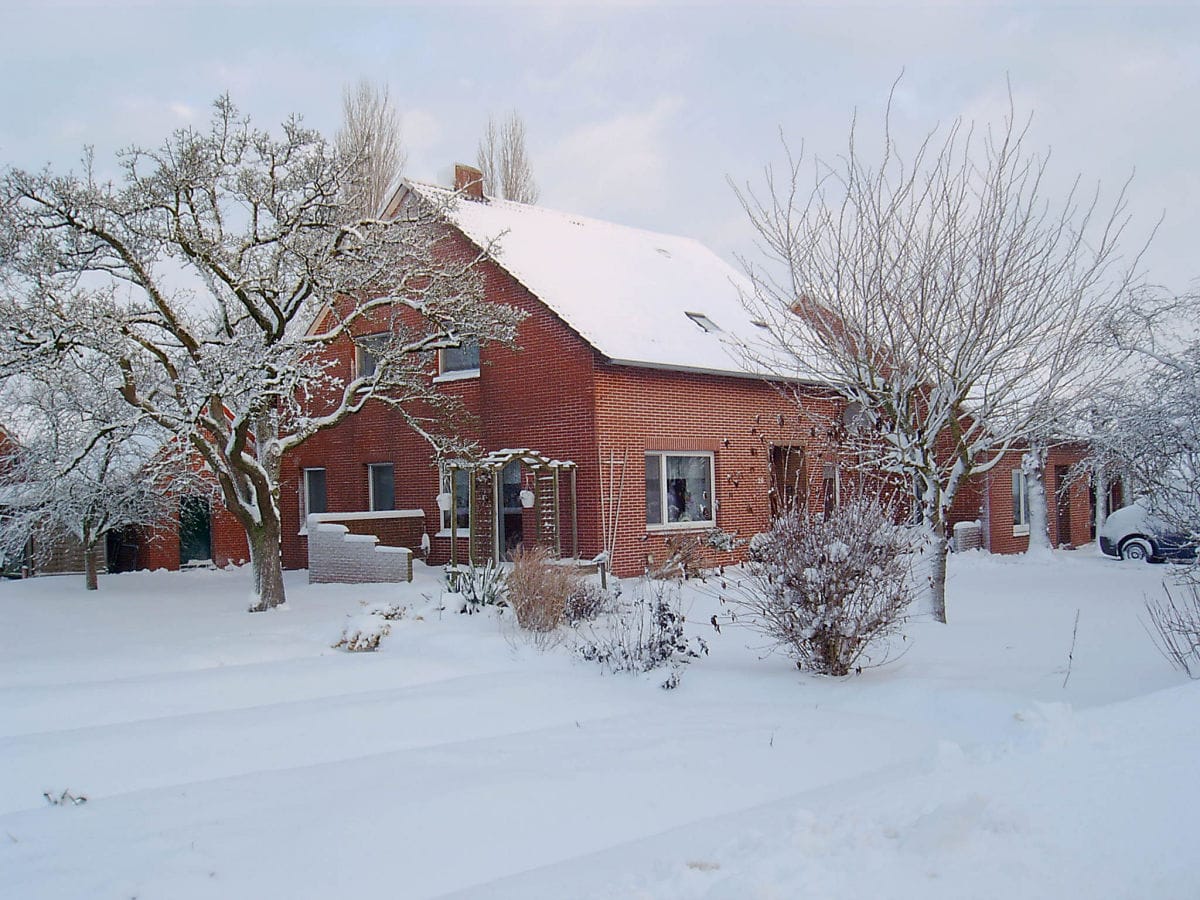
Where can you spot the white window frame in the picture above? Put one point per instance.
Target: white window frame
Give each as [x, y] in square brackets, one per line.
[455, 374]
[693, 524]
[371, 467]
[306, 489]
[445, 487]
[1021, 511]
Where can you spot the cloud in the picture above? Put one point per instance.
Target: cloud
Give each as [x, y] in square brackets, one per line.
[421, 128]
[182, 111]
[625, 157]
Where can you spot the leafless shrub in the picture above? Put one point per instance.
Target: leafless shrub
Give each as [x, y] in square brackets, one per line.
[538, 589]
[644, 635]
[688, 555]
[1175, 627]
[828, 590]
[586, 602]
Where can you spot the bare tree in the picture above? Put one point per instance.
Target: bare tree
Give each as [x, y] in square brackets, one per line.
[504, 161]
[212, 281]
[946, 297]
[371, 142]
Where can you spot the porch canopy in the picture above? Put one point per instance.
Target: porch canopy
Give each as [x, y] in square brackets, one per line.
[485, 503]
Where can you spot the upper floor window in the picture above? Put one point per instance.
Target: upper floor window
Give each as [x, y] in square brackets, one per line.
[679, 489]
[461, 360]
[382, 486]
[367, 350]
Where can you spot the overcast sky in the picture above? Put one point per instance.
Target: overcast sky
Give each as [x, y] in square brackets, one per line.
[637, 112]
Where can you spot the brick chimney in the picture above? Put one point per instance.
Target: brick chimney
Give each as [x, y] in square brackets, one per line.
[468, 181]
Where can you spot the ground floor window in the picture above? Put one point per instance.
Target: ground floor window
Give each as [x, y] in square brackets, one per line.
[679, 489]
[312, 494]
[382, 486]
[1020, 495]
[460, 505]
[831, 487]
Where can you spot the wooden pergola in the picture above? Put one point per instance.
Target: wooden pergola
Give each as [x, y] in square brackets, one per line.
[484, 490]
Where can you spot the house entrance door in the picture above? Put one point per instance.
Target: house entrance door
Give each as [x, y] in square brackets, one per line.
[195, 530]
[789, 480]
[1062, 503]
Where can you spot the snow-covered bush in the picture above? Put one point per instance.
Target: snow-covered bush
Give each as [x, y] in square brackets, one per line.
[828, 590]
[644, 634]
[364, 630]
[1175, 626]
[538, 589]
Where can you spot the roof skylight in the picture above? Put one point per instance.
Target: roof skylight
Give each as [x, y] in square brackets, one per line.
[705, 323]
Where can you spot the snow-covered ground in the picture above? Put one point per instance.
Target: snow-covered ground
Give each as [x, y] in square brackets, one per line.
[226, 755]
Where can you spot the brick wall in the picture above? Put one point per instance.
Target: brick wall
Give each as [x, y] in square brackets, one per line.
[738, 420]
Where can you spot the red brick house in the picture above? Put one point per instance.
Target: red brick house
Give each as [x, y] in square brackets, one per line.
[627, 367]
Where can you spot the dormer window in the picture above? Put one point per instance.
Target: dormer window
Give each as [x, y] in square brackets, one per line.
[703, 322]
[461, 361]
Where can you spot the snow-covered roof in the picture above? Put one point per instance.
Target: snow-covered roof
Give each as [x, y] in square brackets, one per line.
[638, 297]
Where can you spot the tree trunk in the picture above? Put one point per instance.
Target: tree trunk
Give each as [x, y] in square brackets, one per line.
[1100, 495]
[939, 549]
[267, 565]
[91, 573]
[1033, 464]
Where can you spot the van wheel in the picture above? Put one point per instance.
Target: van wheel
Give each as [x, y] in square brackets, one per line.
[1137, 549]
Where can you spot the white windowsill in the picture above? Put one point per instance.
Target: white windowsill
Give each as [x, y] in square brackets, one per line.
[371, 514]
[456, 376]
[1020, 530]
[696, 525]
[459, 535]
